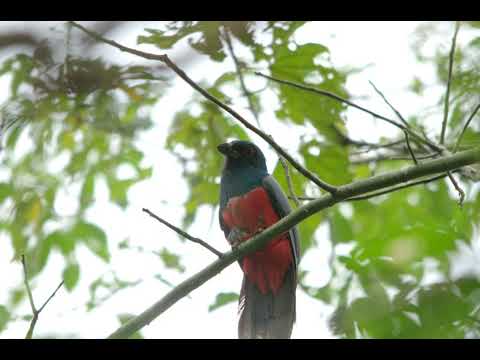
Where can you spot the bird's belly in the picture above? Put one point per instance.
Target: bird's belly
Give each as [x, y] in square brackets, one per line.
[252, 213]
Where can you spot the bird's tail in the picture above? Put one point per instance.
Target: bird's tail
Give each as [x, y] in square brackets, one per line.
[268, 316]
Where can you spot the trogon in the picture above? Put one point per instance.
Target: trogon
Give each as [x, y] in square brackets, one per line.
[251, 200]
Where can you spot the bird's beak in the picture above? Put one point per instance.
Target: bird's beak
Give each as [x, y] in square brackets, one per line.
[225, 148]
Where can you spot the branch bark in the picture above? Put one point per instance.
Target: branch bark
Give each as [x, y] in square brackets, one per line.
[184, 234]
[344, 192]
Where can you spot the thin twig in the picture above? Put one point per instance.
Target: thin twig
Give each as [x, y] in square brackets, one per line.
[388, 157]
[332, 96]
[460, 191]
[397, 188]
[184, 234]
[465, 127]
[51, 296]
[35, 312]
[166, 60]
[345, 101]
[238, 69]
[449, 80]
[289, 182]
[361, 143]
[412, 154]
[402, 119]
[27, 285]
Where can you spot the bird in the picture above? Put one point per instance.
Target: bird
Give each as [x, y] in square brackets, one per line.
[251, 200]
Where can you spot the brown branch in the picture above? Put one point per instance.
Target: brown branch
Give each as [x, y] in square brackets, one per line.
[35, 312]
[345, 101]
[460, 191]
[184, 234]
[449, 80]
[166, 60]
[361, 143]
[402, 119]
[465, 127]
[412, 154]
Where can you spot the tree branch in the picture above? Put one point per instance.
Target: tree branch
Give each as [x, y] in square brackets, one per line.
[460, 191]
[383, 192]
[238, 69]
[344, 192]
[465, 127]
[348, 102]
[35, 312]
[184, 234]
[166, 60]
[412, 154]
[382, 157]
[289, 182]
[449, 80]
[390, 105]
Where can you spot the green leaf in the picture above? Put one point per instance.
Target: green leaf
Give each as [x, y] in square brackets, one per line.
[71, 274]
[65, 241]
[302, 106]
[223, 299]
[329, 162]
[208, 43]
[93, 237]
[6, 190]
[4, 317]
[171, 260]
[118, 190]
[86, 195]
[340, 227]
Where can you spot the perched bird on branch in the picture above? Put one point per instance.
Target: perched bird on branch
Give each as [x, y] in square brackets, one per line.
[250, 201]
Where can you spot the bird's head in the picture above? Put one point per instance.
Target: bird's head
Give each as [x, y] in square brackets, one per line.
[242, 155]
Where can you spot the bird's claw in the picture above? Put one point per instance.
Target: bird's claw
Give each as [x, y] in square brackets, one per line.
[236, 236]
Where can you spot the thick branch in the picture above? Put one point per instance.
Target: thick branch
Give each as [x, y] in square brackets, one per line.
[449, 81]
[166, 60]
[361, 187]
[184, 234]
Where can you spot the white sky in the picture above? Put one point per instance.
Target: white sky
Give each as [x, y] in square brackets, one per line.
[385, 45]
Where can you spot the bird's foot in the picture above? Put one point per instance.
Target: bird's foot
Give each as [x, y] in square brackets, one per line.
[236, 236]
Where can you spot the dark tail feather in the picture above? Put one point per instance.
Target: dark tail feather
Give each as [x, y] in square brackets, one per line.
[268, 316]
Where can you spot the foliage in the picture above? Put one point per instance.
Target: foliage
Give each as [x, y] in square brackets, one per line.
[90, 113]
